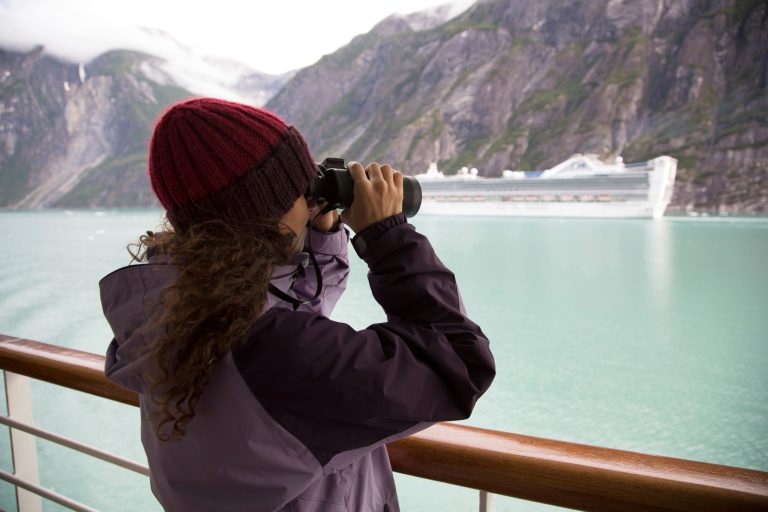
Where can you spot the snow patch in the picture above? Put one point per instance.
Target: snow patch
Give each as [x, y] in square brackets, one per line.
[419, 20]
[458, 7]
[155, 74]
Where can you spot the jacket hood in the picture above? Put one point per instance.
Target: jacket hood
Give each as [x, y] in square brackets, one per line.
[131, 294]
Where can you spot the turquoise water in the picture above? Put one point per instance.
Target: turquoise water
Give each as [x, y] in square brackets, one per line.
[642, 335]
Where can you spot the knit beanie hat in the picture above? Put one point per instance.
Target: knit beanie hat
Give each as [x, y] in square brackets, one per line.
[214, 159]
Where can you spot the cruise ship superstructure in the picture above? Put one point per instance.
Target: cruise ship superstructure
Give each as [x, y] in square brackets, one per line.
[582, 186]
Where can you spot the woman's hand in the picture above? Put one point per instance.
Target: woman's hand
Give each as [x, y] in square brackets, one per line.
[327, 222]
[377, 196]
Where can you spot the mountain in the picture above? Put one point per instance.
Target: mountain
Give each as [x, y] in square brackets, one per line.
[514, 84]
[75, 135]
[505, 84]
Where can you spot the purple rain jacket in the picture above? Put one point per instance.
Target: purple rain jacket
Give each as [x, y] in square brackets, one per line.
[296, 418]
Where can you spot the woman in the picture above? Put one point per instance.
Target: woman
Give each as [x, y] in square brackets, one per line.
[253, 402]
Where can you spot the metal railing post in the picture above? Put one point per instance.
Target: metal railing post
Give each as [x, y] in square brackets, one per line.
[18, 396]
[487, 502]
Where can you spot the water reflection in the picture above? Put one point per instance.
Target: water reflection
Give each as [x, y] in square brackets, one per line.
[659, 259]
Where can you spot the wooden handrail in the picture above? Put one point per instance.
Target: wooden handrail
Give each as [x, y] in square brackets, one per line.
[66, 367]
[554, 472]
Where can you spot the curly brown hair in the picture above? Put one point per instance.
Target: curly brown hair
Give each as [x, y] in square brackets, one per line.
[221, 288]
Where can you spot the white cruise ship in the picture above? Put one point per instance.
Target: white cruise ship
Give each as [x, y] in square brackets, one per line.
[582, 186]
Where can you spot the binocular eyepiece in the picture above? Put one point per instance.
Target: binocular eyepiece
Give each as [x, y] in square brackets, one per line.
[334, 185]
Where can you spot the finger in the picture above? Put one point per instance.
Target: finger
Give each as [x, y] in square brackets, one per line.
[397, 179]
[326, 221]
[386, 172]
[357, 172]
[374, 171]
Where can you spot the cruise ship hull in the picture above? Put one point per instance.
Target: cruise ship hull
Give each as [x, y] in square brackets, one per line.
[538, 209]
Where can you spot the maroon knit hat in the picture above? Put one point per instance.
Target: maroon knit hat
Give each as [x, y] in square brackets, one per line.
[214, 159]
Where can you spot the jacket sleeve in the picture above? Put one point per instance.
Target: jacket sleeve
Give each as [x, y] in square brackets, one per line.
[332, 256]
[339, 390]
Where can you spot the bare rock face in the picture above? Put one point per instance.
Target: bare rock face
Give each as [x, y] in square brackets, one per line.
[77, 135]
[513, 84]
[79, 131]
[507, 84]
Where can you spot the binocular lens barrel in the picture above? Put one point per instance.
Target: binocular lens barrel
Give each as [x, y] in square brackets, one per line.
[334, 185]
[411, 196]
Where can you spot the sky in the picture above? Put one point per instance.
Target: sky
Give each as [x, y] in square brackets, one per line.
[272, 36]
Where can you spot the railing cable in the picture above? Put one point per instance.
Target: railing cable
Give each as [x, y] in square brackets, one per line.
[45, 493]
[75, 445]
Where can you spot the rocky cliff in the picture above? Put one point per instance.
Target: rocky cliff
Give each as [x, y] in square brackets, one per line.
[513, 84]
[76, 135]
[508, 84]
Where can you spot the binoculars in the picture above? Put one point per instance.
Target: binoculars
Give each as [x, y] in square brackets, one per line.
[334, 185]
